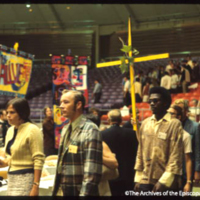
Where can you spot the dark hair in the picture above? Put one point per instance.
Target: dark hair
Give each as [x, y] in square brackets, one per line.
[166, 73]
[137, 79]
[94, 109]
[45, 109]
[21, 106]
[165, 95]
[140, 72]
[97, 79]
[178, 109]
[1, 112]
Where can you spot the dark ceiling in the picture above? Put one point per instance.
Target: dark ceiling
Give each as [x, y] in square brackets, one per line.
[64, 17]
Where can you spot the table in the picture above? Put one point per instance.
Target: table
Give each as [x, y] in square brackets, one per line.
[46, 183]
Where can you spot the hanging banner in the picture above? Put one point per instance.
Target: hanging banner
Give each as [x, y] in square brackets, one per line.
[79, 80]
[66, 77]
[15, 74]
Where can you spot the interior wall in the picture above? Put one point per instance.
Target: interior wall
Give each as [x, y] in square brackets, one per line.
[41, 45]
[154, 41]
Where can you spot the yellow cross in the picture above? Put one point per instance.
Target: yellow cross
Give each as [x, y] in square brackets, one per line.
[139, 59]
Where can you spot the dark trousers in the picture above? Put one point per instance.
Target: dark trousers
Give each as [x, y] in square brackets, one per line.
[146, 187]
[97, 97]
[127, 99]
[119, 187]
[173, 91]
[138, 99]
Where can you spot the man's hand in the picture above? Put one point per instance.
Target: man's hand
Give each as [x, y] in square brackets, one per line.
[136, 188]
[196, 177]
[158, 187]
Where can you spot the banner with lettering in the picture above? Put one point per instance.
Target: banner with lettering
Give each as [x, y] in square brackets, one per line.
[15, 74]
[66, 76]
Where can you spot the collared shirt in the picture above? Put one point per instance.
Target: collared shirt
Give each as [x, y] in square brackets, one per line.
[193, 128]
[68, 134]
[138, 88]
[187, 141]
[160, 150]
[166, 82]
[191, 64]
[174, 81]
[82, 160]
[127, 86]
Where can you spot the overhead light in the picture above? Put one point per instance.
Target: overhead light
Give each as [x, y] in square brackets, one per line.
[30, 10]
[28, 5]
[50, 54]
[67, 7]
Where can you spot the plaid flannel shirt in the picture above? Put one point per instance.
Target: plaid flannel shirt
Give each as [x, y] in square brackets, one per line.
[81, 171]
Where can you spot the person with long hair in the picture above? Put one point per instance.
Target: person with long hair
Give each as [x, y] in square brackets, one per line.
[48, 131]
[23, 149]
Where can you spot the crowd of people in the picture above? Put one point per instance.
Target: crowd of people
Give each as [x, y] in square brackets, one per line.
[162, 155]
[175, 77]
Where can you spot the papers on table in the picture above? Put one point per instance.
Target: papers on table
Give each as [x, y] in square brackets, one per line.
[46, 182]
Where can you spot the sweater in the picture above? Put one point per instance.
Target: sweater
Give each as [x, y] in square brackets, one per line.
[27, 149]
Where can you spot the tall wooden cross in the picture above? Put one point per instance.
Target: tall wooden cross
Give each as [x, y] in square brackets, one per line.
[131, 66]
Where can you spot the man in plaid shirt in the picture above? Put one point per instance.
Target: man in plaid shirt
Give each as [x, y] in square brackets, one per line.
[79, 167]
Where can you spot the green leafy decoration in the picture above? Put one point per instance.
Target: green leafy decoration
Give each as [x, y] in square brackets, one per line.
[126, 49]
[130, 59]
[135, 52]
[123, 66]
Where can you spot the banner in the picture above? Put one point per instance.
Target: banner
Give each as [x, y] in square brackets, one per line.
[68, 77]
[15, 74]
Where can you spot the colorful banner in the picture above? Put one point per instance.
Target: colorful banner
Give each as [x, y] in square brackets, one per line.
[15, 74]
[66, 77]
[79, 80]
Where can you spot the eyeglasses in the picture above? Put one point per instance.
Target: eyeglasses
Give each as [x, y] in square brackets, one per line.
[153, 100]
[171, 113]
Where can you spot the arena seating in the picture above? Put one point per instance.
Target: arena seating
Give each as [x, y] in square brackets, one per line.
[144, 108]
[39, 92]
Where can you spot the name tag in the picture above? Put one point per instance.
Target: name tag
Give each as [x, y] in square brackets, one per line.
[162, 135]
[73, 149]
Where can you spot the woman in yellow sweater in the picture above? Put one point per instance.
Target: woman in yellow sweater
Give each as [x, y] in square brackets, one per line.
[24, 150]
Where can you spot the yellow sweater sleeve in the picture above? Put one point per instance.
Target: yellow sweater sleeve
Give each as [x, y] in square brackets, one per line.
[36, 148]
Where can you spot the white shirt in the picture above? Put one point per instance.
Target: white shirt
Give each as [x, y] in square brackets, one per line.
[187, 142]
[190, 63]
[174, 81]
[127, 86]
[195, 111]
[166, 82]
[138, 88]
